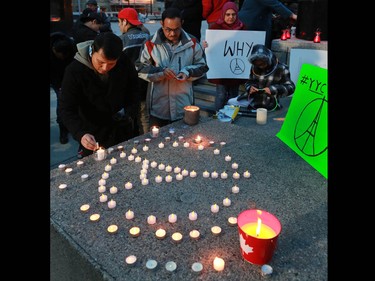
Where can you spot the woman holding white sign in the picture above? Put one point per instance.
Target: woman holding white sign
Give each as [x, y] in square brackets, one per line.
[226, 88]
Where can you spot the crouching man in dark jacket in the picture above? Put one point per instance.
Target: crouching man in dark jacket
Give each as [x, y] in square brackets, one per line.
[99, 98]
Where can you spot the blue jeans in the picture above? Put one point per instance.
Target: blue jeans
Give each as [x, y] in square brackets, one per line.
[223, 94]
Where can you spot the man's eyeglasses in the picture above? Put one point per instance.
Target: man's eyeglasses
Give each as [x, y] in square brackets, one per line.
[169, 30]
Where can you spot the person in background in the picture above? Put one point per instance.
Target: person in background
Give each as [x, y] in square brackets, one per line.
[269, 80]
[93, 5]
[171, 60]
[226, 88]
[133, 39]
[88, 26]
[257, 15]
[191, 14]
[212, 10]
[62, 51]
[99, 98]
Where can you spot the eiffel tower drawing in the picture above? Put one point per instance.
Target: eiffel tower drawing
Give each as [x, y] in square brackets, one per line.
[305, 138]
[237, 66]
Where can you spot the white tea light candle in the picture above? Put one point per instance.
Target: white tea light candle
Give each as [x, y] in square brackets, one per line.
[107, 168]
[131, 260]
[151, 264]
[214, 175]
[111, 204]
[226, 202]
[158, 179]
[168, 178]
[197, 267]
[194, 234]
[215, 208]
[236, 175]
[103, 198]
[266, 270]
[177, 237]
[135, 231]
[235, 189]
[172, 218]
[216, 230]
[246, 174]
[138, 159]
[129, 215]
[112, 228]
[160, 233]
[170, 266]
[219, 264]
[232, 221]
[94, 217]
[113, 190]
[151, 219]
[193, 216]
[179, 177]
[84, 208]
[68, 171]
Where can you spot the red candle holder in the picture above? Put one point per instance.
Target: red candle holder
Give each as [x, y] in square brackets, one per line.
[283, 35]
[258, 233]
[287, 33]
[317, 36]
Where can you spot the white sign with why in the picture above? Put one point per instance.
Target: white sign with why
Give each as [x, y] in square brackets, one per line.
[228, 51]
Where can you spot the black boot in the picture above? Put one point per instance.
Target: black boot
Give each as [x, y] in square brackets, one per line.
[63, 134]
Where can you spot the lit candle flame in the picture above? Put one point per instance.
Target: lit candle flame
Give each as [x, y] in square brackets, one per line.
[259, 226]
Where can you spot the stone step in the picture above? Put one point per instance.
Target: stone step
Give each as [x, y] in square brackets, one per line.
[204, 96]
[205, 93]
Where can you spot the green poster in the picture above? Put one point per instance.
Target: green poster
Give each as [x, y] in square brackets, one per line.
[305, 128]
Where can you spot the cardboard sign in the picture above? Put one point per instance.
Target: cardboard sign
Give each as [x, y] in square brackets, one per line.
[305, 128]
[228, 51]
[310, 56]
